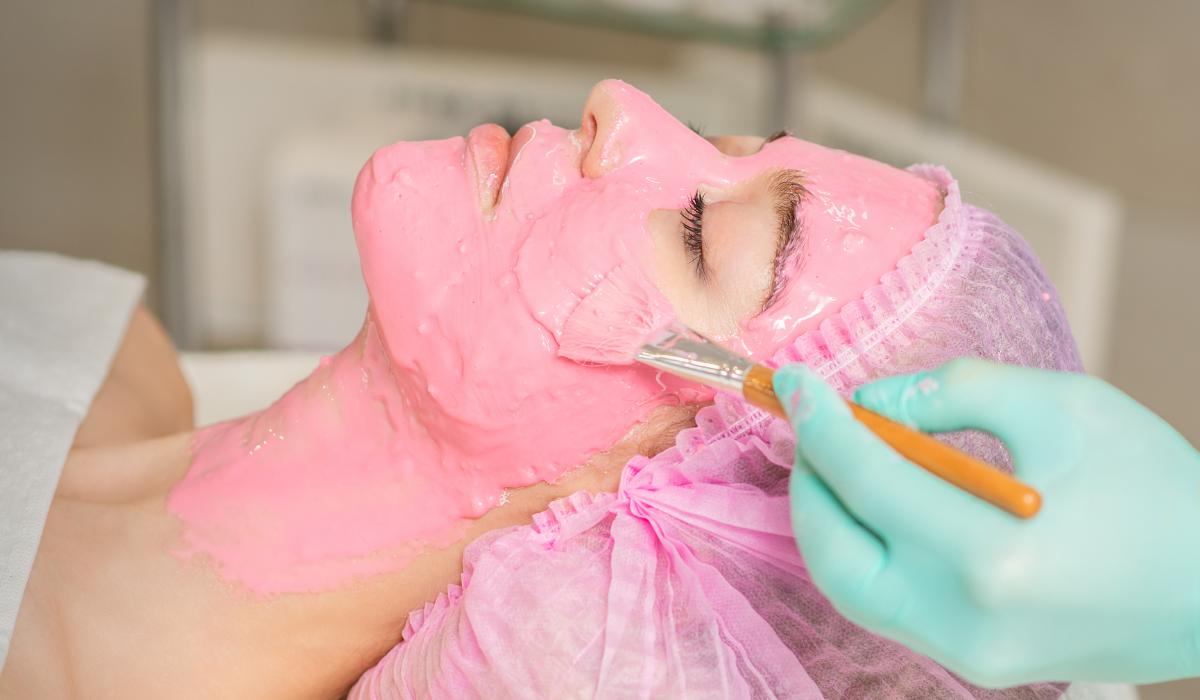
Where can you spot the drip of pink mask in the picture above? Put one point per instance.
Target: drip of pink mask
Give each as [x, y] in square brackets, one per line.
[457, 388]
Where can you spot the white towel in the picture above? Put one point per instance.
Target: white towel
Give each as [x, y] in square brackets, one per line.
[1101, 691]
[61, 322]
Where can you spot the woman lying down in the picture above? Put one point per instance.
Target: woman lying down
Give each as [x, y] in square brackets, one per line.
[453, 507]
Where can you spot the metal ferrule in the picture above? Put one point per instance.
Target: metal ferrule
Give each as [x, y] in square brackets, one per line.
[685, 353]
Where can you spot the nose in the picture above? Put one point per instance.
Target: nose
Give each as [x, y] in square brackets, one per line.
[603, 116]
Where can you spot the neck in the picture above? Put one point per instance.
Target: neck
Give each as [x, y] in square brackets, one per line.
[337, 480]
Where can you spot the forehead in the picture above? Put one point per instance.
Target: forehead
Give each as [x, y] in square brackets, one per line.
[859, 218]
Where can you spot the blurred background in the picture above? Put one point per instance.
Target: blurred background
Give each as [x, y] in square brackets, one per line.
[212, 144]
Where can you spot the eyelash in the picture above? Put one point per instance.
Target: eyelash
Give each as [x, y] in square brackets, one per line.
[693, 234]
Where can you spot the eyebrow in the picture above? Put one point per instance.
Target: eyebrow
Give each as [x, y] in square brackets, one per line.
[788, 194]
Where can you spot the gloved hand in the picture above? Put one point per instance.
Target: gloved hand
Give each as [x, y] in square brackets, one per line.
[1103, 584]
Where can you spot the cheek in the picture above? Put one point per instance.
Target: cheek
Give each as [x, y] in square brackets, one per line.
[740, 285]
[572, 246]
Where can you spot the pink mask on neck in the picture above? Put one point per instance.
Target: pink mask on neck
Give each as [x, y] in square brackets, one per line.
[455, 390]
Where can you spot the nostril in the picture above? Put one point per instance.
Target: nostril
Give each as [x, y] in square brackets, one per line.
[587, 136]
[598, 149]
[589, 127]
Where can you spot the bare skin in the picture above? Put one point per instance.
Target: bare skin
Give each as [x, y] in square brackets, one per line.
[110, 612]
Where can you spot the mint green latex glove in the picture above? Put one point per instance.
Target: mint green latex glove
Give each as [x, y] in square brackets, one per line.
[1103, 584]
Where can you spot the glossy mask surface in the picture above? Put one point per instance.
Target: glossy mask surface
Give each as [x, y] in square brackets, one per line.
[475, 253]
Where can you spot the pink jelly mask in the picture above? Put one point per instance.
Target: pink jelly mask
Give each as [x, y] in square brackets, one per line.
[472, 303]
[456, 390]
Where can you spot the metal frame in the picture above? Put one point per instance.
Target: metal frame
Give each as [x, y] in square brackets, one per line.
[172, 27]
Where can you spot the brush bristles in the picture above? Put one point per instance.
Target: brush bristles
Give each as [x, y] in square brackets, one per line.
[612, 322]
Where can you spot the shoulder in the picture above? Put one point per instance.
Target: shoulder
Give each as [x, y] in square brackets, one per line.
[144, 395]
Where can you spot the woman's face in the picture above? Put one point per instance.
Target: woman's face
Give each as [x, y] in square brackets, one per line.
[476, 252]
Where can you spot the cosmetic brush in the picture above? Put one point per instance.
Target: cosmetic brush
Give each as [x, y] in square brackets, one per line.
[679, 350]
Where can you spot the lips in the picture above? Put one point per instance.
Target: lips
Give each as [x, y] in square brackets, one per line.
[519, 139]
[487, 158]
[490, 155]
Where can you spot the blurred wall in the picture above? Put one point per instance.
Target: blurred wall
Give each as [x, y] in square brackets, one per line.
[1106, 89]
[76, 130]
[431, 24]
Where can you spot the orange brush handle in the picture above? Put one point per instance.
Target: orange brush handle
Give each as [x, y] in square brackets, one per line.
[976, 477]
